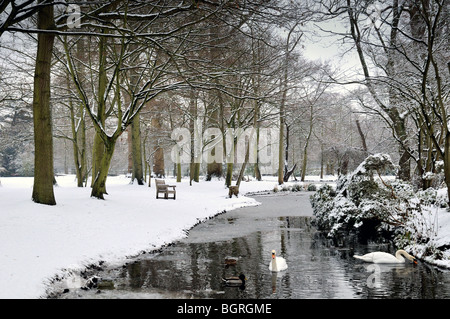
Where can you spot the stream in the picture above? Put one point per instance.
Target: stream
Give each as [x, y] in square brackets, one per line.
[317, 268]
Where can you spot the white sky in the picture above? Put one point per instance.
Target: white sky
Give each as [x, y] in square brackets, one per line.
[324, 46]
[321, 45]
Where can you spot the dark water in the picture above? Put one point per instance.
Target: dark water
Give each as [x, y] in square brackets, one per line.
[193, 268]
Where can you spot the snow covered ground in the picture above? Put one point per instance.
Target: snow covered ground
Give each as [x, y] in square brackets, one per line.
[436, 223]
[38, 242]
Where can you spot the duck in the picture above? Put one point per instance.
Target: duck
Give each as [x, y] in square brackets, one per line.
[277, 263]
[230, 261]
[235, 281]
[379, 257]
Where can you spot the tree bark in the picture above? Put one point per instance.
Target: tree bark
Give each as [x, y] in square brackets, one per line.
[244, 165]
[178, 172]
[43, 139]
[78, 150]
[138, 172]
[305, 161]
[447, 165]
[213, 169]
[281, 141]
[194, 167]
[286, 152]
[363, 138]
[78, 140]
[247, 156]
[289, 173]
[99, 185]
[284, 88]
[99, 146]
[229, 174]
[158, 151]
[305, 148]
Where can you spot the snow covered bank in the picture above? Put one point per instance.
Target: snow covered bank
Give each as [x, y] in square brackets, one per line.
[38, 242]
[435, 221]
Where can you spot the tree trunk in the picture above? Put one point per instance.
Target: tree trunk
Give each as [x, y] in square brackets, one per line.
[247, 156]
[149, 174]
[158, 151]
[242, 171]
[196, 172]
[82, 142]
[305, 149]
[178, 172]
[256, 165]
[321, 163]
[399, 124]
[257, 53]
[158, 162]
[258, 175]
[281, 159]
[447, 164]
[322, 155]
[286, 154]
[78, 141]
[229, 175]
[429, 165]
[80, 133]
[281, 143]
[98, 150]
[130, 152]
[304, 162]
[289, 173]
[404, 172]
[76, 150]
[213, 169]
[99, 146]
[363, 138]
[43, 139]
[137, 173]
[99, 185]
[194, 167]
[290, 46]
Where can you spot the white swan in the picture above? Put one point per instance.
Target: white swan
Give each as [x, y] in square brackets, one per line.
[379, 257]
[277, 263]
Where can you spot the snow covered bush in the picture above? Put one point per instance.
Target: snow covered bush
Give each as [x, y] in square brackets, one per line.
[433, 197]
[289, 188]
[369, 205]
[365, 203]
[322, 203]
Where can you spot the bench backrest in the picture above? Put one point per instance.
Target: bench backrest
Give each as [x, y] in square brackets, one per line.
[159, 182]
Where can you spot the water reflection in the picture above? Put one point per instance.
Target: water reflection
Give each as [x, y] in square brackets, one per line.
[194, 267]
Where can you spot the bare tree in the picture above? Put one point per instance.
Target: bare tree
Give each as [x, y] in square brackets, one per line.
[43, 138]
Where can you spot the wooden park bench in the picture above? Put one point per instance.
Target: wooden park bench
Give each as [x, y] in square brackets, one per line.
[163, 188]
